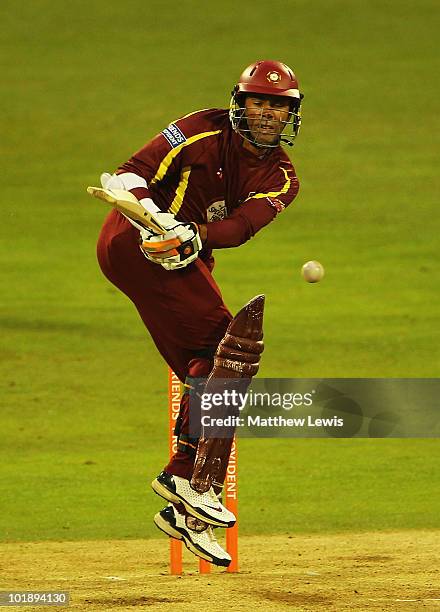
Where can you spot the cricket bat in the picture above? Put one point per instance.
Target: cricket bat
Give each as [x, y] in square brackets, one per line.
[128, 205]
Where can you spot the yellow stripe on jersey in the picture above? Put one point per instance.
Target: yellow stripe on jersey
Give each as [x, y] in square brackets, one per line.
[273, 194]
[180, 191]
[167, 160]
[194, 112]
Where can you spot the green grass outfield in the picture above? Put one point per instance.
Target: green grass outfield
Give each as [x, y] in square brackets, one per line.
[83, 414]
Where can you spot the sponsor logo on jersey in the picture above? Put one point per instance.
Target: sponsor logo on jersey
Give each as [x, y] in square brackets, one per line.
[217, 211]
[174, 135]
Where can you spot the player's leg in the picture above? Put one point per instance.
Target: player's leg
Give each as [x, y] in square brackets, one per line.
[185, 314]
[236, 362]
[183, 311]
[186, 318]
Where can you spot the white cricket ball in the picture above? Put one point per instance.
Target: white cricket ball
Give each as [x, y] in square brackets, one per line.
[312, 271]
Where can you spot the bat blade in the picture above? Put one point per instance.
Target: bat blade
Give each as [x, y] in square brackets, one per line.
[128, 205]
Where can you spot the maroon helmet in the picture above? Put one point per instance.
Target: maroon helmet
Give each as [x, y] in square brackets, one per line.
[266, 78]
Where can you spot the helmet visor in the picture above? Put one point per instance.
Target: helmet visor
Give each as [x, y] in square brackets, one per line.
[265, 122]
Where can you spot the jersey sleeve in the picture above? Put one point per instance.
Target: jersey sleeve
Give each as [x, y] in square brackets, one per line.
[161, 157]
[257, 211]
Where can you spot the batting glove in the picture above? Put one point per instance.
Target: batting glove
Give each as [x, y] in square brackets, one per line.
[177, 248]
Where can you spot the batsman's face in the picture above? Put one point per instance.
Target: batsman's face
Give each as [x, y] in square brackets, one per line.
[266, 117]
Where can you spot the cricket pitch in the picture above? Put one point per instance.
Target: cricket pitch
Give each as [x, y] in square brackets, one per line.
[366, 571]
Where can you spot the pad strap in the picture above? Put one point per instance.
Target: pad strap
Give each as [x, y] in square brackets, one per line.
[188, 445]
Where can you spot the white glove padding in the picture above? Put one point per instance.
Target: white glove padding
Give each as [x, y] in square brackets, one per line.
[175, 249]
[122, 182]
[111, 181]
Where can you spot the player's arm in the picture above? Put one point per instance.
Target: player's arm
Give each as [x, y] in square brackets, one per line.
[254, 214]
[160, 158]
[143, 168]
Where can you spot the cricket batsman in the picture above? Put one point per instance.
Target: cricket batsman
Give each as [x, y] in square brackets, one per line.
[212, 179]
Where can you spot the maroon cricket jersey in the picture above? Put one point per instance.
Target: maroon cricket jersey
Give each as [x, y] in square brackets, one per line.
[198, 169]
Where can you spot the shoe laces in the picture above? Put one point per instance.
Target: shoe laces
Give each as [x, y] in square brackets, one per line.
[211, 536]
[213, 495]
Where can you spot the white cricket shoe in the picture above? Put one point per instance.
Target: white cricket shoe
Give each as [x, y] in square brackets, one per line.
[204, 506]
[201, 543]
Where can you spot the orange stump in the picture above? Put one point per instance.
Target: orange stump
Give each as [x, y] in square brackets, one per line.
[231, 503]
[230, 494]
[173, 413]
